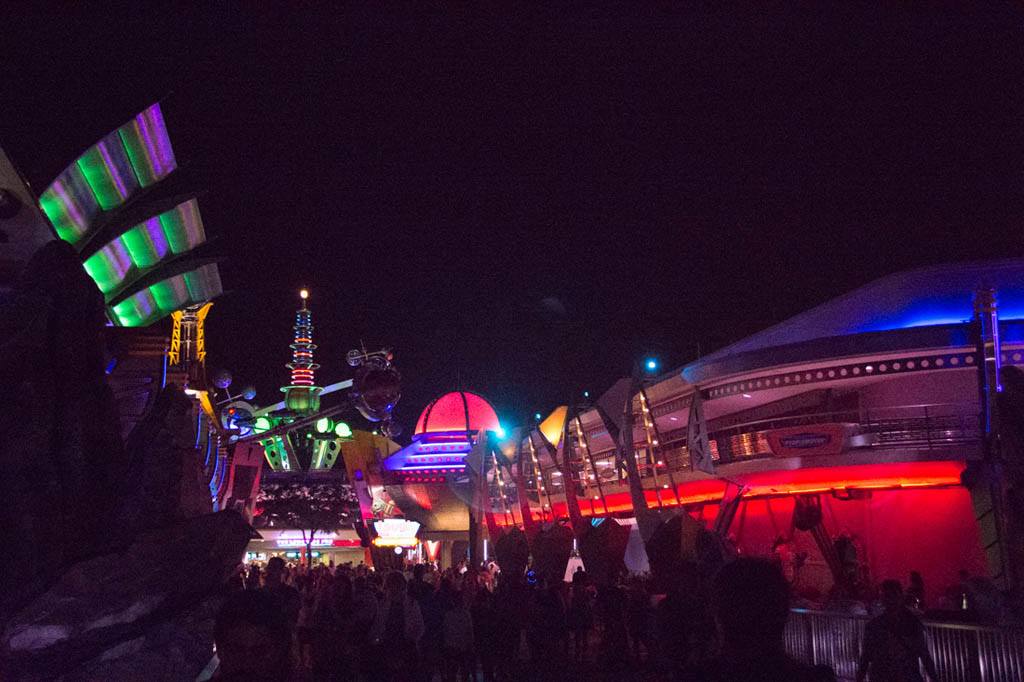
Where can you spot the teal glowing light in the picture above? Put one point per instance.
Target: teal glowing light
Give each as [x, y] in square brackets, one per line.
[342, 430]
[651, 364]
[537, 416]
[499, 432]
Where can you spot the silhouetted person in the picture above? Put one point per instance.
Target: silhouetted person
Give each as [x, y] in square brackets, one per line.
[459, 639]
[546, 631]
[581, 615]
[751, 604]
[613, 650]
[286, 596]
[397, 630]
[253, 639]
[915, 591]
[252, 581]
[334, 656]
[894, 643]
[638, 617]
[486, 630]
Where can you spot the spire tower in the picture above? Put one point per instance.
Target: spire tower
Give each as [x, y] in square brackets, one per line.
[302, 396]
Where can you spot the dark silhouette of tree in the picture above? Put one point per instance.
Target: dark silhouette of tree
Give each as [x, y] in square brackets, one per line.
[314, 503]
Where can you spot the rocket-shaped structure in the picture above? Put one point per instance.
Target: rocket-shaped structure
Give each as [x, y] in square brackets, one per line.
[302, 396]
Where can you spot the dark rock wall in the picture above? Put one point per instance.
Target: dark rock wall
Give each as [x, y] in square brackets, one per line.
[60, 450]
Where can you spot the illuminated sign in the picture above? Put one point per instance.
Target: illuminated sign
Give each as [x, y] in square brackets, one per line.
[293, 538]
[801, 441]
[396, 533]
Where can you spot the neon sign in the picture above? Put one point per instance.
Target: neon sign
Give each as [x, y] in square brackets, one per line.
[293, 538]
[396, 533]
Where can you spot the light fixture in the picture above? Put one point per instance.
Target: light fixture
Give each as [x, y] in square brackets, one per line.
[747, 395]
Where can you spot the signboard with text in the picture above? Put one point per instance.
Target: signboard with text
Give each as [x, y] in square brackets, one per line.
[803, 441]
[396, 533]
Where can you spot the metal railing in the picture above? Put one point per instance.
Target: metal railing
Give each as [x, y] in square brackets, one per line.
[927, 427]
[962, 653]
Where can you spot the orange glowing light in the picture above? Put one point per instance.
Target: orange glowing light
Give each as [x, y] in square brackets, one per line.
[894, 476]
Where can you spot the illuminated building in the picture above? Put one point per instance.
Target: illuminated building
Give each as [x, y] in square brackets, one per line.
[427, 482]
[868, 405]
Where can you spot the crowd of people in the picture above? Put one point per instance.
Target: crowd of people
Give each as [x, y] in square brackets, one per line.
[352, 623]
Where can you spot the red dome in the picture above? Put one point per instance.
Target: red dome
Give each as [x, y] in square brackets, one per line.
[457, 411]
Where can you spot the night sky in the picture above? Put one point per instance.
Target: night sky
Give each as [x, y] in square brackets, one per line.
[521, 204]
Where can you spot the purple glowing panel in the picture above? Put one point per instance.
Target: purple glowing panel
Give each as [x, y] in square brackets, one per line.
[108, 171]
[70, 204]
[148, 146]
[109, 266]
[135, 155]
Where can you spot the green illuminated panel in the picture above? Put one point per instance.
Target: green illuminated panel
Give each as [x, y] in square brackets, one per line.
[135, 155]
[165, 297]
[183, 226]
[108, 171]
[146, 245]
[109, 266]
[70, 204]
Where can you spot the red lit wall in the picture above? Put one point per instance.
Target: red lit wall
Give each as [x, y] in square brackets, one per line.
[930, 530]
[916, 517]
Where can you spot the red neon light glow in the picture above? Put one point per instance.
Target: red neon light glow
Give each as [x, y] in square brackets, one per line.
[784, 483]
[457, 411]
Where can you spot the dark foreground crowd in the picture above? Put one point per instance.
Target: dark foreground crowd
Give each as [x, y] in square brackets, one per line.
[353, 624]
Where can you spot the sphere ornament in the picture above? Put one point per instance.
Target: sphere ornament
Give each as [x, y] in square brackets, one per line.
[376, 391]
[222, 378]
[377, 385]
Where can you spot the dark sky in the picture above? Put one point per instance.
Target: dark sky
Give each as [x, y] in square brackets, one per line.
[526, 202]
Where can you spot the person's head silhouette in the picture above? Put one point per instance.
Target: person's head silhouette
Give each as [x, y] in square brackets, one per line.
[252, 637]
[751, 600]
[892, 595]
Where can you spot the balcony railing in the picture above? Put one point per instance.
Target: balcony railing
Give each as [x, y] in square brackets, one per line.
[932, 427]
[962, 653]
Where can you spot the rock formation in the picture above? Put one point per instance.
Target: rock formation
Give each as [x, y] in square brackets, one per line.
[114, 562]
